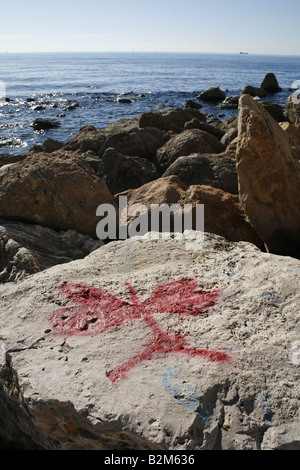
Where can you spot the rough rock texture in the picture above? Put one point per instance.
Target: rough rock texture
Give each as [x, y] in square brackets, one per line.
[218, 171]
[269, 179]
[61, 192]
[293, 134]
[125, 136]
[293, 108]
[6, 159]
[170, 120]
[204, 126]
[167, 366]
[26, 249]
[120, 172]
[186, 143]
[223, 214]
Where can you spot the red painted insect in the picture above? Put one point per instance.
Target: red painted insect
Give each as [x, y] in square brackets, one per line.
[95, 311]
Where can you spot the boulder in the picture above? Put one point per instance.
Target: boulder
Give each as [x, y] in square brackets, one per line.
[146, 344]
[61, 192]
[192, 104]
[270, 84]
[223, 213]
[214, 170]
[212, 94]
[44, 124]
[125, 137]
[137, 142]
[170, 120]
[229, 136]
[121, 172]
[293, 108]
[204, 126]
[253, 91]
[49, 146]
[186, 143]
[292, 132]
[276, 111]
[269, 179]
[7, 159]
[27, 248]
[88, 138]
[230, 102]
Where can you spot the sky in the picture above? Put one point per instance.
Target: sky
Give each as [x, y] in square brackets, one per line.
[220, 26]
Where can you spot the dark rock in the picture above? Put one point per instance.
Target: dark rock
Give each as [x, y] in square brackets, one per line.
[231, 102]
[49, 146]
[270, 84]
[253, 91]
[204, 126]
[218, 171]
[170, 120]
[44, 124]
[212, 94]
[230, 135]
[6, 159]
[192, 104]
[186, 143]
[276, 111]
[121, 173]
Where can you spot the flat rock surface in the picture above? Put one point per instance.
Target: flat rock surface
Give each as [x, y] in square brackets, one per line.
[180, 349]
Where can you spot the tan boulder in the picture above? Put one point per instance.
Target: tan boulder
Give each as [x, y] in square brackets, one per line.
[223, 213]
[293, 134]
[269, 178]
[60, 191]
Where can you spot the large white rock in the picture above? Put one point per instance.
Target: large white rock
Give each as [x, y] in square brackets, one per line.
[116, 388]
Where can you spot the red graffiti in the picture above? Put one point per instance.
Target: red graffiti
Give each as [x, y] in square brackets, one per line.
[94, 311]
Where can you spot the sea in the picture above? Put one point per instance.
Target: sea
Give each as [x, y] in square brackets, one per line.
[78, 89]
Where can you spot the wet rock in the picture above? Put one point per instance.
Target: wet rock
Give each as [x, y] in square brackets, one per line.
[44, 124]
[270, 84]
[269, 179]
[230, 102]
[212, 94]
[253, 91]
[192, 104]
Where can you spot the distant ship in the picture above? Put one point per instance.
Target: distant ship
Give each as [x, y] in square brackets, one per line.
[243, 52]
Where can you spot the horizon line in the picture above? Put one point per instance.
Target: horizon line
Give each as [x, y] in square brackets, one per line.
[150, 52]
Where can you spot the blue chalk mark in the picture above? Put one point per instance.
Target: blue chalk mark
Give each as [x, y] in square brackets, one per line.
[186, 395]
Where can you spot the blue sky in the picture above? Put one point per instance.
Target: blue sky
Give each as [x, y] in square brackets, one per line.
[225, 26]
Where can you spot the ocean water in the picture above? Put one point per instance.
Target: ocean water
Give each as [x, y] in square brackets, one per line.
[77, 89]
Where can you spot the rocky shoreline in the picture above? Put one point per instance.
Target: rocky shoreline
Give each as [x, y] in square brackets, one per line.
[246, 172]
